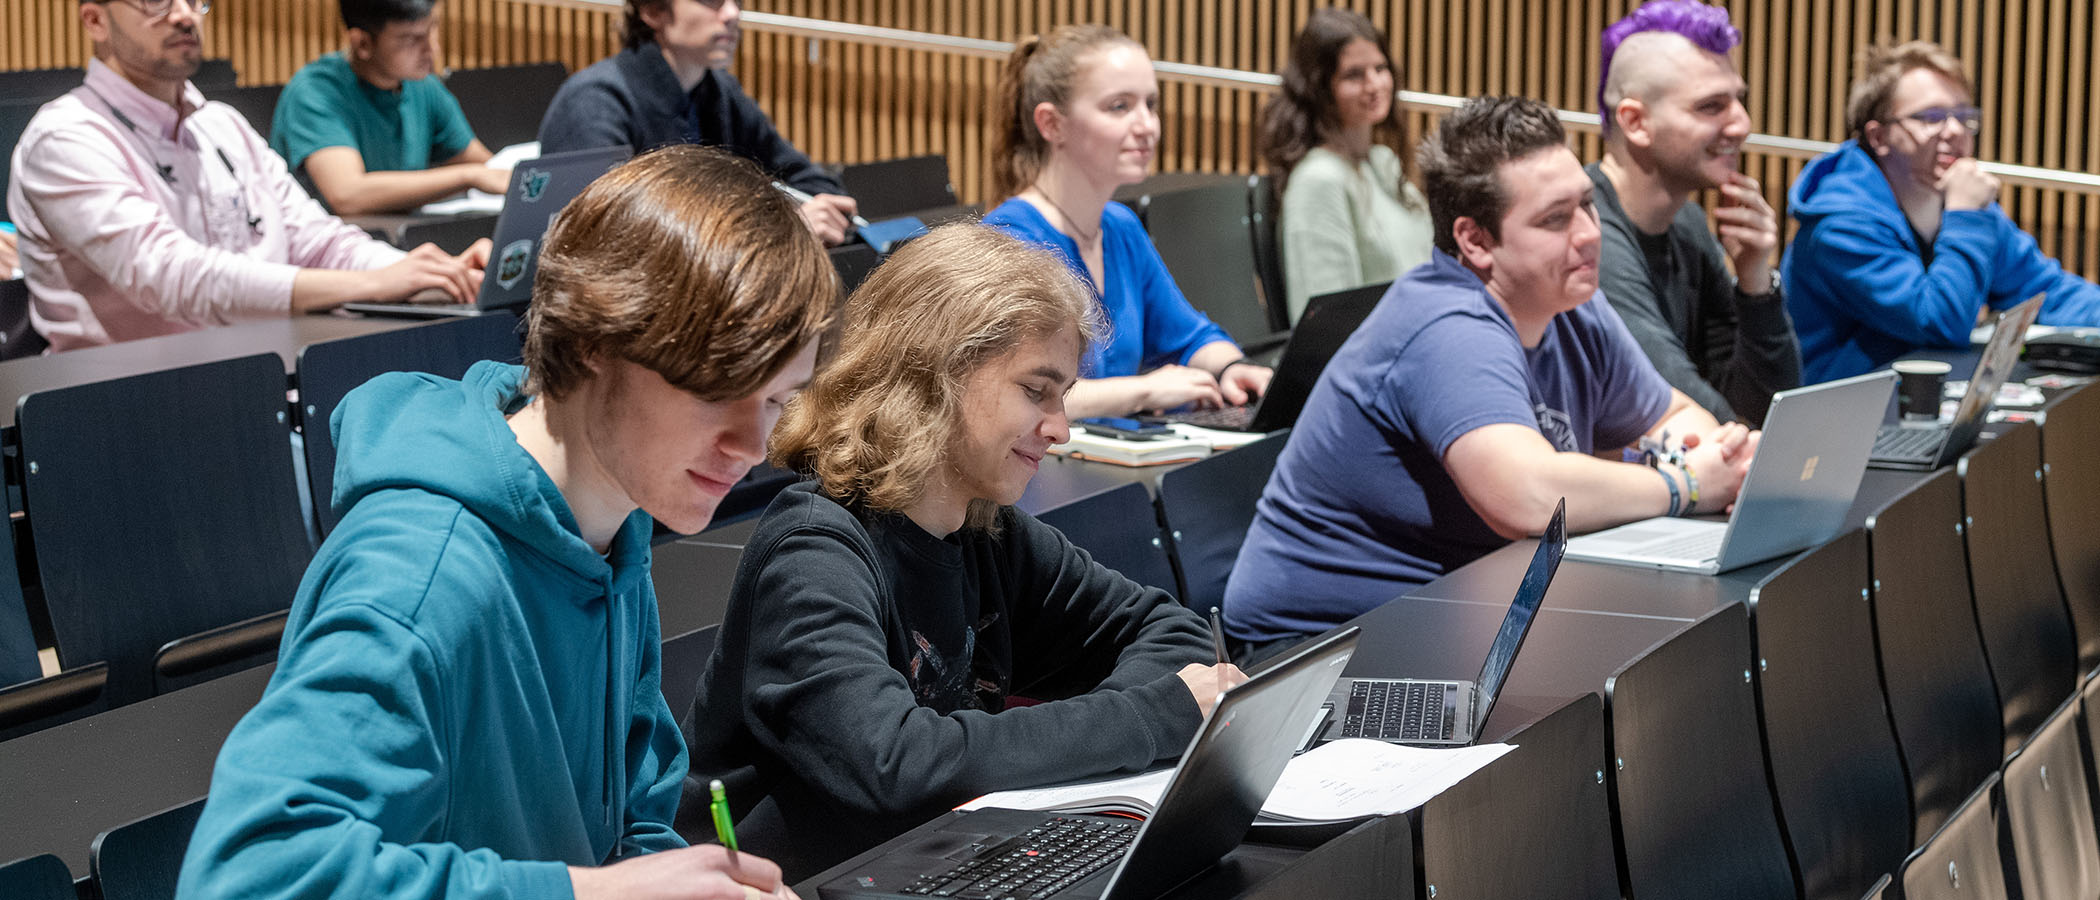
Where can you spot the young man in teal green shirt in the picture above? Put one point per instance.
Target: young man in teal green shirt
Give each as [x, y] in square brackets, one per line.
[371, 127]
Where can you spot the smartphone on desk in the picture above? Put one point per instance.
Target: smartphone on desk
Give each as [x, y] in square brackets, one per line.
[1124, 429]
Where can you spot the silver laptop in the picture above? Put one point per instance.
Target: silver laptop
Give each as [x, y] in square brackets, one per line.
[1213, 796]
[538, 189]
[1800, 486]
[1932, 445]
[1439, 713]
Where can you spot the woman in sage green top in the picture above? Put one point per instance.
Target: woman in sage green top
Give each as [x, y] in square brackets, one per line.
[1332, 138]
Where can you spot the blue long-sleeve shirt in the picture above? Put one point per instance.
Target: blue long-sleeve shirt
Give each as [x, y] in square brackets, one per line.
[1150, 323]
[1863, 292]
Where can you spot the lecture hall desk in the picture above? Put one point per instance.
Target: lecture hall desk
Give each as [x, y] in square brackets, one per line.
[110, 768]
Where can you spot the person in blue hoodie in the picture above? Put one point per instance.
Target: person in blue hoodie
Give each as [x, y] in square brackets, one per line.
[1902, 242]
[466, 702]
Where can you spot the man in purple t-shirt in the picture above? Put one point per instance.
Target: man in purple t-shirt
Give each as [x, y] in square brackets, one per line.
[1491, 382]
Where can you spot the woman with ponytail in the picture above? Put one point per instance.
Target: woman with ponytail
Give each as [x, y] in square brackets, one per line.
[1078, 117]
[1333, 140]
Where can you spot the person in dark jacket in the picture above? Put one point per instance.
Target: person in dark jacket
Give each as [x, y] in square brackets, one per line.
[890, 615]
[671, 85]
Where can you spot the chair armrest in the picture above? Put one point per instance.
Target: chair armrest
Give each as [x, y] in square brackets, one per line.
[70, 689]
[226, 643]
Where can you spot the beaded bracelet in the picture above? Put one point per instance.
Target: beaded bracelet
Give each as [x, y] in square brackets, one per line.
[1671, 483]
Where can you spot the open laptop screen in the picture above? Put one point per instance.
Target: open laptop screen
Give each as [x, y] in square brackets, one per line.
[1997, 361]
[1530, 594]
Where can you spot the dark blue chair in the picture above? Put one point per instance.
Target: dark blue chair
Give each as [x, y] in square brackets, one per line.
[2019, 611]
[142, 859]
[1120, 529]
[1208, 506]
[42, 877]
[1933, 671]
[1844, 805]
[1694, 811]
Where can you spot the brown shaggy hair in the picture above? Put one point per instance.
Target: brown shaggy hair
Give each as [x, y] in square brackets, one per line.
[880, 419]
[684, 261]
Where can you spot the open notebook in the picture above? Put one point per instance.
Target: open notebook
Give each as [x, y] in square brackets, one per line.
[1334, 782]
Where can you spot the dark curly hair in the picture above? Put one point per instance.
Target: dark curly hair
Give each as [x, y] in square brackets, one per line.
[1302, 115]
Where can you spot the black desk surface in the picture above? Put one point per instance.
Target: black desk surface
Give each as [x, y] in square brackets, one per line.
[66, 784]
[285, 337]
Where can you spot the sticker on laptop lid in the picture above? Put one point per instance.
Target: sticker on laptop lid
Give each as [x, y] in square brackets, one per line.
[512, 262]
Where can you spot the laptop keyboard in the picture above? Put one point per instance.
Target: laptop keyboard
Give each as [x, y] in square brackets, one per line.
[1398, 710]
[1700, 545]
[1046, 859]
[1229, 418]
[1898, 442]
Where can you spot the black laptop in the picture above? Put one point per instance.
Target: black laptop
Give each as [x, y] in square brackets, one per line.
[1328, 322]
[1443, 713]
[1932, 445]
[538, 190]
[1214, 794]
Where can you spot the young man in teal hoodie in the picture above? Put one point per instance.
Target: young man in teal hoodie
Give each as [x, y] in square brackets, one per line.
[1902, 242]
[466, 702]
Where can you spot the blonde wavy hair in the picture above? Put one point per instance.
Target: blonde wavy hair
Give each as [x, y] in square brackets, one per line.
[884, 413]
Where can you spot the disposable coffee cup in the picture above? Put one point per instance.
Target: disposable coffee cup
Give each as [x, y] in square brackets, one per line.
[1918, 395]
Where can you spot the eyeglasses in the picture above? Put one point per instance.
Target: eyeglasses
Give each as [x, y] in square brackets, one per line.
[155, 10]
[1936, 117]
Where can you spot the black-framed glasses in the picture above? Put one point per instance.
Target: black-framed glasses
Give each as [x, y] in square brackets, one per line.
[160, 9]
[1936, 117]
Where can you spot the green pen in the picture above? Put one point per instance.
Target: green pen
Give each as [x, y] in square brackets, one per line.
[720, 807]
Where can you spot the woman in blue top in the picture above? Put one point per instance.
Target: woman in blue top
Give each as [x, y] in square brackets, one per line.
[1081, 118]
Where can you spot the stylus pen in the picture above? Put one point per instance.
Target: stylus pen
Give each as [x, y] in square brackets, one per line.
[719, 805]
[1217, 636]
[802, 196]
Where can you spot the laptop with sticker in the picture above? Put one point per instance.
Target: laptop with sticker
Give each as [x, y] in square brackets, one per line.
[539, 188]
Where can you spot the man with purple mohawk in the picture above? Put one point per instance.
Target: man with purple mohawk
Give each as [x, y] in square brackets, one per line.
[1674, 124]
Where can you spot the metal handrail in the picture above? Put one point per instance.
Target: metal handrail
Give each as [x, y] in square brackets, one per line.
[1237, 79]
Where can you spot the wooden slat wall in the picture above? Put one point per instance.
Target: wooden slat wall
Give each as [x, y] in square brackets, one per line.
[2034, 63]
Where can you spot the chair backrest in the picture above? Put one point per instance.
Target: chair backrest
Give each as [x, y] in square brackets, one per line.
[213, 76]
[2049, 811]
[1120, 528]
[14, 119]
[161, 505]
[1540, 815]
[684, 658]
[1267, 201]
[1693, 811]
[452, 234]
[40, 84]
[895, 187]
[42, 877]
[142, 859]
[505, 104]
[2026, 630]
[331, 369]
[1205, 236]
[1961, 861]
[18, 337]
[257, 104]
[1938, 684]
[854, 262]
[1843, 802]
[1208, 505]
[2071, 489]
[18, 659]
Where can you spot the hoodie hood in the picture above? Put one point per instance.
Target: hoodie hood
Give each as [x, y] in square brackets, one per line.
[418, 431]
[1846, 181]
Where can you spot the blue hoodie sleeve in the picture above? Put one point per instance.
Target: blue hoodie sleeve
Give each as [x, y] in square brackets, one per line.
[347, 745]
[2023, 271]
[655, 752]
[1870, 273]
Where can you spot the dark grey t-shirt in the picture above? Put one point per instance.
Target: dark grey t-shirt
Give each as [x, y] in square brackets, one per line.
[1726, 350]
